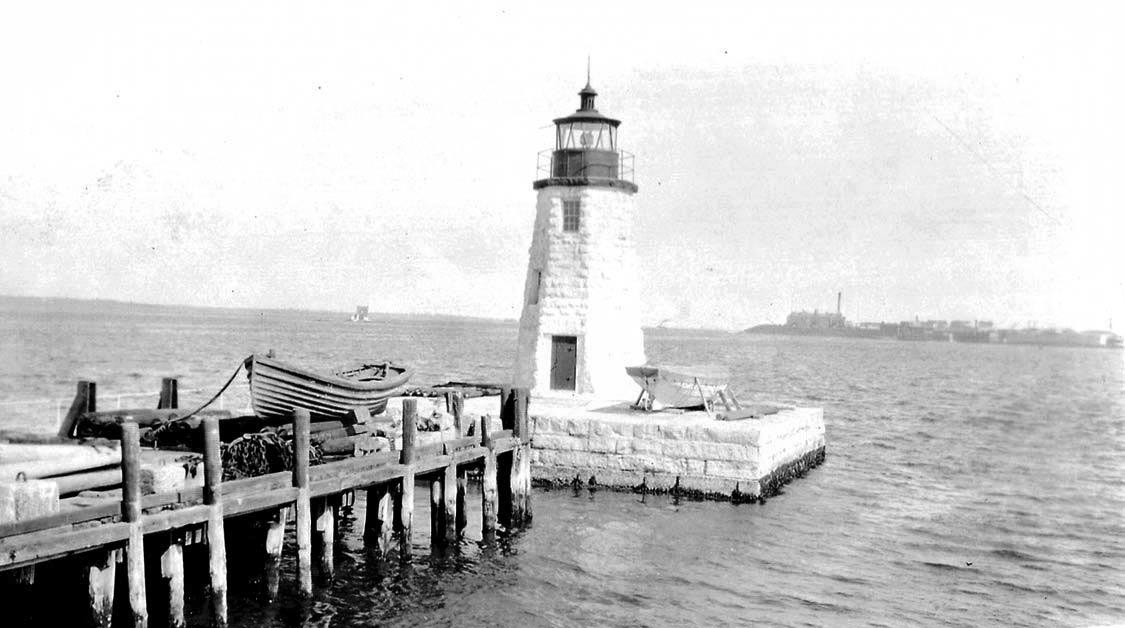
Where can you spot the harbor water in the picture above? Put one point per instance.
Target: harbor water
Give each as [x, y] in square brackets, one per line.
[964, 484]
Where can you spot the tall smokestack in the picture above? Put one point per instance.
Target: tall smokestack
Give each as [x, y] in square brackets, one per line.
[839, 301]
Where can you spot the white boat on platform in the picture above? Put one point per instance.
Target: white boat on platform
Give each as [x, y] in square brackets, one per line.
[682, 386]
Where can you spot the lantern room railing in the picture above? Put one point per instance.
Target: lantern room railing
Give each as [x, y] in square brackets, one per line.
[553, 163]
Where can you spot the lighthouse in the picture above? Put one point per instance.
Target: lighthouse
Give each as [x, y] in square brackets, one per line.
[580, 323]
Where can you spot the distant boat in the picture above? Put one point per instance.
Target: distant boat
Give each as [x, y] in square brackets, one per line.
[277, 388]
[680, 386]
[360, 315]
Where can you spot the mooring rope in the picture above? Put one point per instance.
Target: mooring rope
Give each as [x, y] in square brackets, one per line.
[160, 428]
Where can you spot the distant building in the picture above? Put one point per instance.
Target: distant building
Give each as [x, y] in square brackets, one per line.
[815, 320]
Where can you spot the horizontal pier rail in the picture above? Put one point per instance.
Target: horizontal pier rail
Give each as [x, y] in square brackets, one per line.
[167, 521]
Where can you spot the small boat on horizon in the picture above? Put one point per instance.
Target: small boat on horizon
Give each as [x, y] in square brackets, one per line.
[277, 388]
[361, 315]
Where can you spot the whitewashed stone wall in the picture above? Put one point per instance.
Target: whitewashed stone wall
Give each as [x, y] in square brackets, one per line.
[623, 449]
[589, 289]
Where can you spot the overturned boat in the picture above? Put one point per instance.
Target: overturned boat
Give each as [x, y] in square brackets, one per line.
[682, 386]
[277, 388]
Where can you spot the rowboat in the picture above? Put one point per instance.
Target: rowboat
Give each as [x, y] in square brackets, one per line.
[680, 386]
[277, 388]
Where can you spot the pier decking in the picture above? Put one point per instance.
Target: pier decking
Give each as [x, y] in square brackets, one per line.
[101, 536]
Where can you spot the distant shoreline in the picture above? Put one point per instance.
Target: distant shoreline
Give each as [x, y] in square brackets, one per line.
[13, 302]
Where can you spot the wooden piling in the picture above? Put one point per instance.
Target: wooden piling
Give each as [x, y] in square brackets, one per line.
[216, 534]
[457, 406]
[172, 573]
[521, 460]
[326, 535]
[301, 420]
[275, 540]
[377, 524]
[169, 393]
[131, 514]
[437, 514]
[504, 461]
[488, 481]
[101, 575]
[85, 400]
[404, 498]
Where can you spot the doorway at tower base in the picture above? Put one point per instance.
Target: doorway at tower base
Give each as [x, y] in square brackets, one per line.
[608, 444]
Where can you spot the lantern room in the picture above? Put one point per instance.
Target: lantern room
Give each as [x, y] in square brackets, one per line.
[586, 150]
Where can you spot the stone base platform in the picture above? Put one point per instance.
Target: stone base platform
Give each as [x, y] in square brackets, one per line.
[610, 444]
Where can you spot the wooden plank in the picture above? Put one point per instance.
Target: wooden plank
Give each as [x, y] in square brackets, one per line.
[350, 481]
[422, 452]
[61, 520]
[506, 444]
[243, 504]
[499, 434]
[460, 443]
[28, 549]
[470, 456]
[175, 519]
[353, 465]
[430, 465]
[281, 479]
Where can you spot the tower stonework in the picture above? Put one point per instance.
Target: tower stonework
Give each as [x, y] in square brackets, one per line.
[580, 325]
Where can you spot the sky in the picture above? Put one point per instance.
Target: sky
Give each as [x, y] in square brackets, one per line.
[954, 161]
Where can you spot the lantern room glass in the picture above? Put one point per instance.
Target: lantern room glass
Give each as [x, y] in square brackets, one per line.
[586, 136]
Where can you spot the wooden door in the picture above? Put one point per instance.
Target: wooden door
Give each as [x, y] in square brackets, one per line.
[564, 362]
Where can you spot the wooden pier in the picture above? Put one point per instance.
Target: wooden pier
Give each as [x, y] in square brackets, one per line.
[96, 540]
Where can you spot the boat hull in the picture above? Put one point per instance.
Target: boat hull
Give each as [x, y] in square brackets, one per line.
[672, 387]
[276, 389]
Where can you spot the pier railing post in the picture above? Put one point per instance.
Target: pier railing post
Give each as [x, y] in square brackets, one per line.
[504, 461]
[216, 534]
[85, 400]
[404, 498]
[301, 420]
[521, 459]
[457, 405]
[169, 393]
[131, 513]
[488, 481]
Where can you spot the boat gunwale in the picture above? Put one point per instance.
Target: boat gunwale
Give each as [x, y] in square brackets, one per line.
[342, 382]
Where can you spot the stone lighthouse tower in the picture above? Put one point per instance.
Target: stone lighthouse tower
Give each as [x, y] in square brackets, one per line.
[580, 325]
